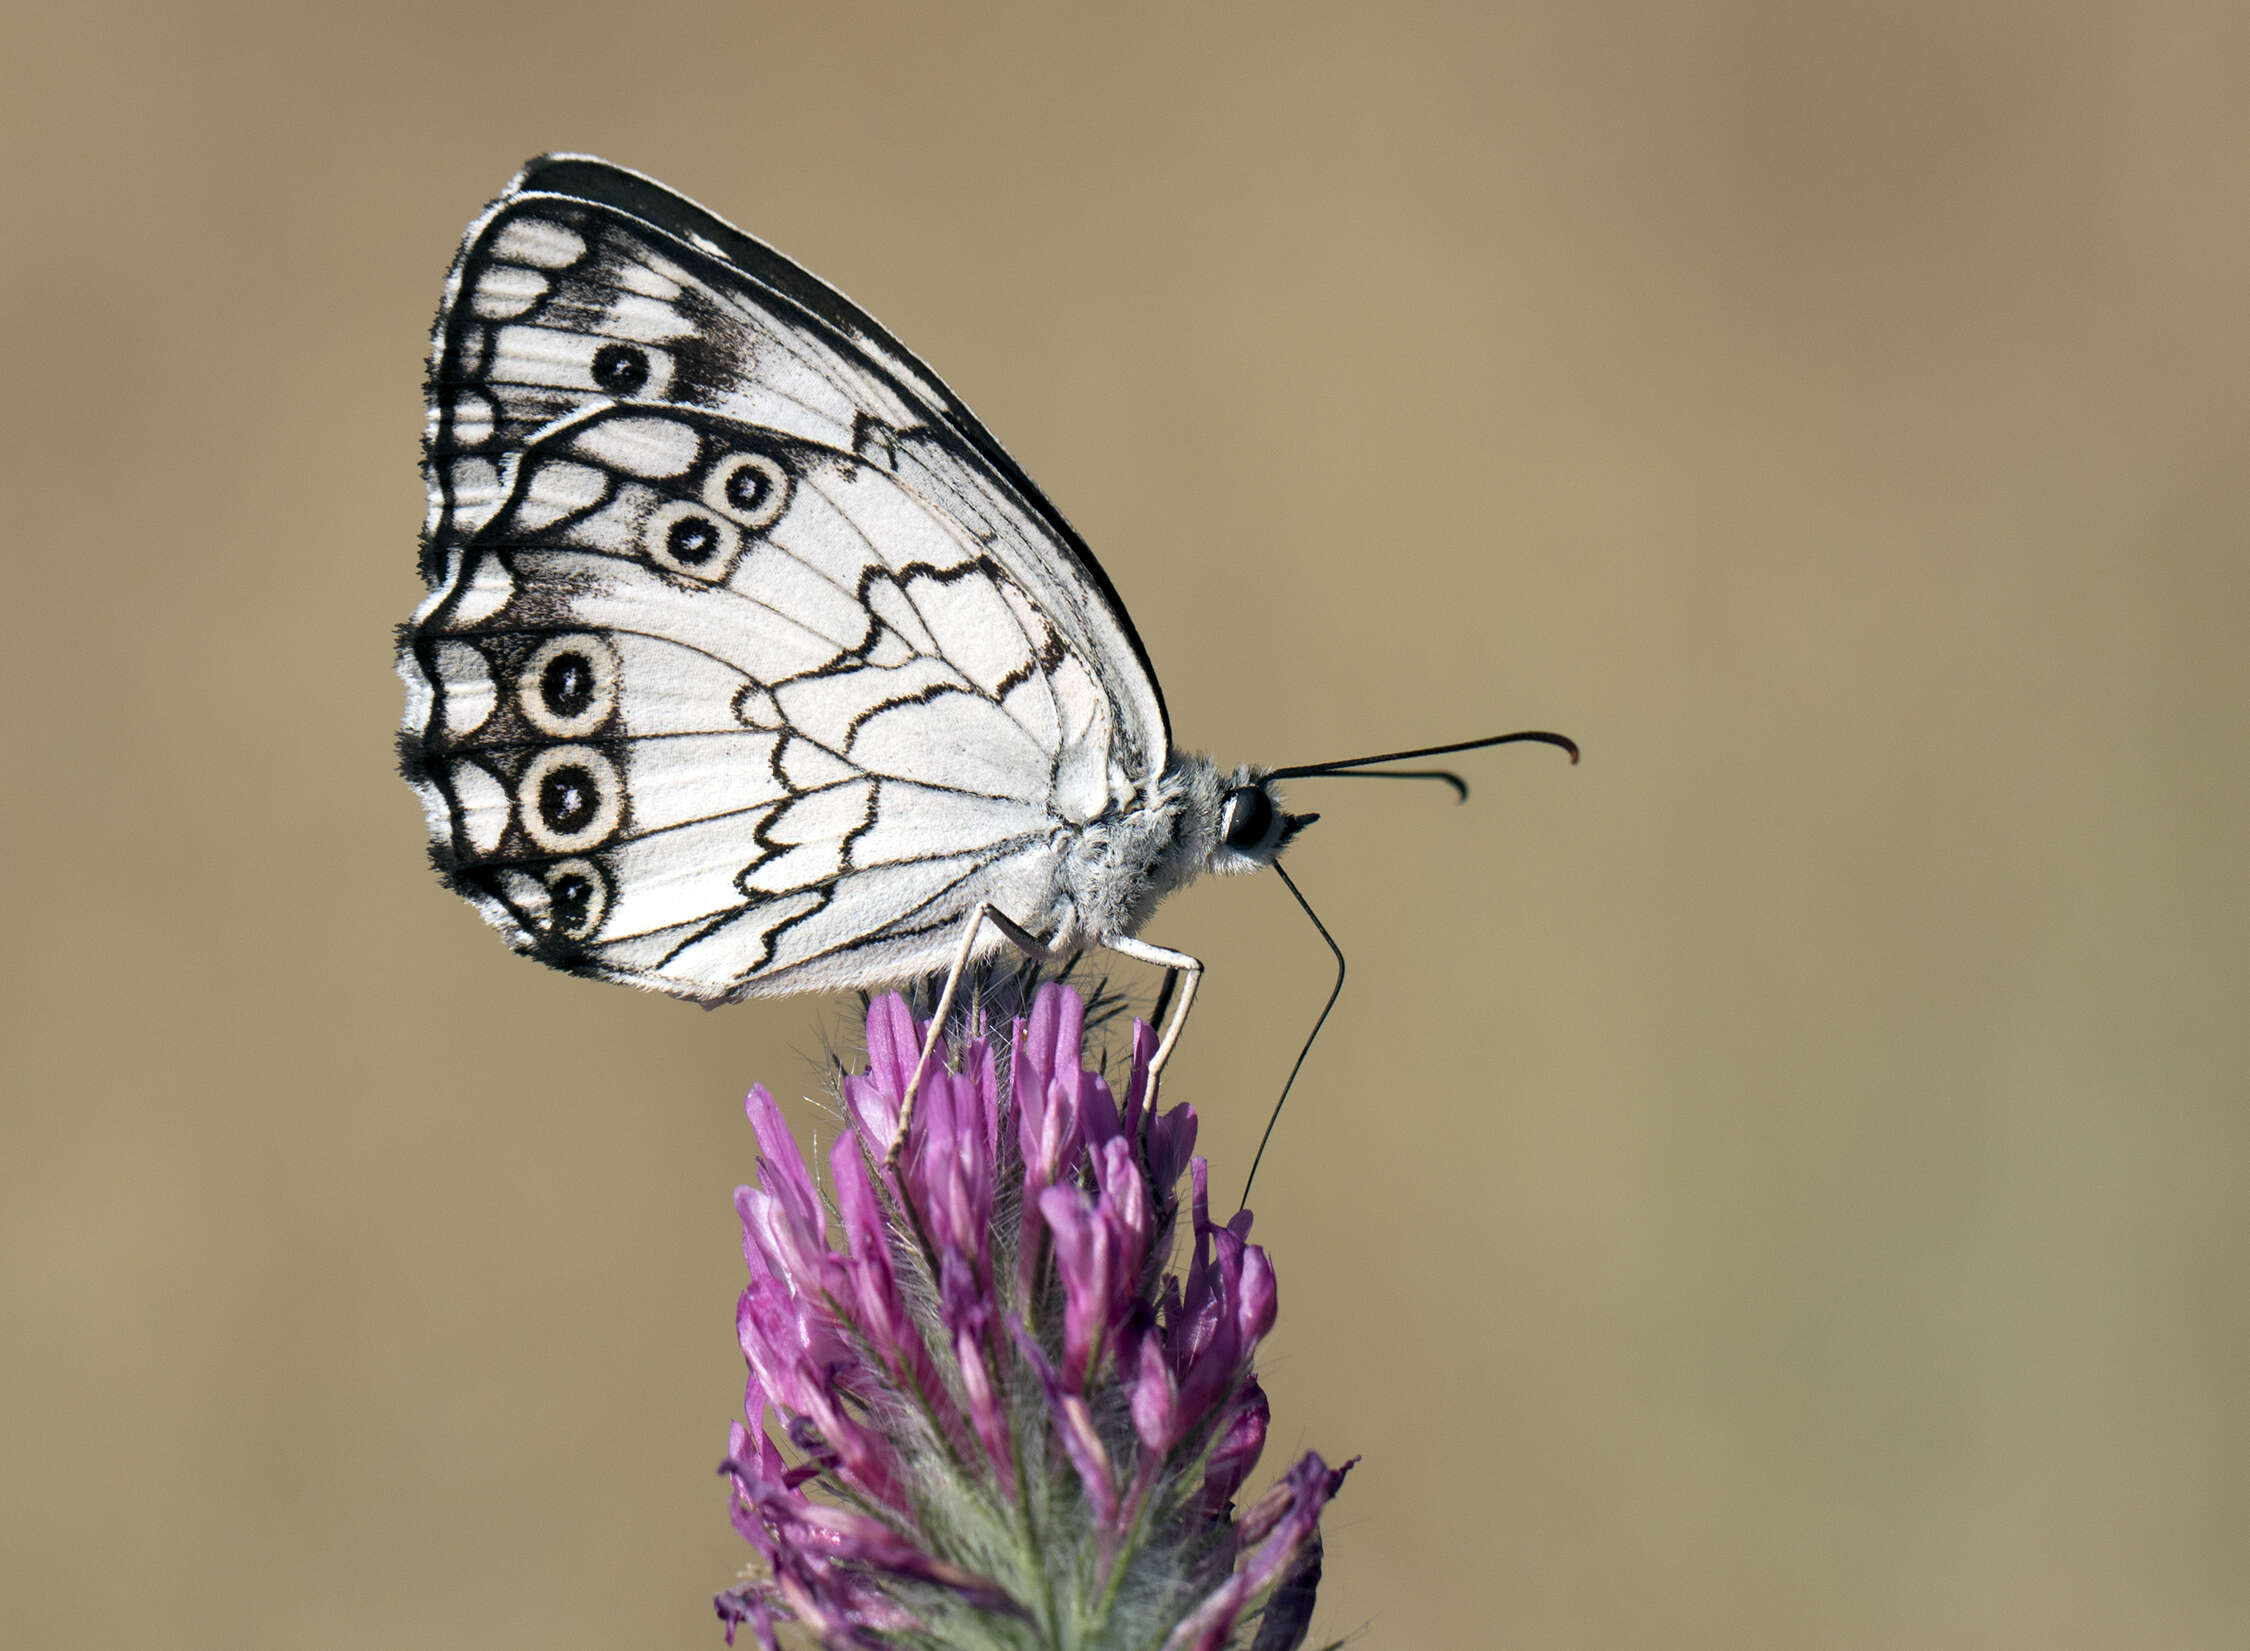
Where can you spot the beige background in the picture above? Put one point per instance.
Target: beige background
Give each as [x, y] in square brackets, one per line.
[1779, 1184]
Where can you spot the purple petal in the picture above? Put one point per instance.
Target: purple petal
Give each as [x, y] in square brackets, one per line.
[1194, 1333]
[771, 1366]
[1155, 1400]
[981, 1068]
[949, 1172]
[1286, 1616]
[751, 1444]
[969, 1314]
[1028, 1100]
[1207, 1340]
[1301, 1496]
[789, 1330]
[1097, 1111]
[1046, 1119]
[1272, 1508]
[740, 1509]
[1212, 1373]
[1236, 1454]
[1117, 1172]
[1084, 1257]
[1081, 1441]
[814, 1533]
[804, 1368]
[1171, 1143]
[747, 1604]
[821, 1603]
[1058, 1028]
[866, 1232]
[781, 1165]
[1136, 1083]
[1026, 1091]
[894, 1044]
[1199, 1204]
[874, 1112]
[1259, 1300]
[776, 1244]
[877, 1308]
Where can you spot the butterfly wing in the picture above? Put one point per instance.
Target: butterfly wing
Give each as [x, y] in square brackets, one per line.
[750, 661]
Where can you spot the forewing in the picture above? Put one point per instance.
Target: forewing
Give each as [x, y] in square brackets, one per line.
[587, 284]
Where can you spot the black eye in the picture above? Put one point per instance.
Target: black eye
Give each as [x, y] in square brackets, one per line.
[1247, 818]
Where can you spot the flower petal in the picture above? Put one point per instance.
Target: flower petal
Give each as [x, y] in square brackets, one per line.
[1240, 1444]
[1156, 1400]
[1301, 1496]
[1081, 1440]
[781, 1165]
[878, 1310]
[968, 1311]
[1259, 1300]
[1287, 1616]
[894, 1044]
[1084, 1256]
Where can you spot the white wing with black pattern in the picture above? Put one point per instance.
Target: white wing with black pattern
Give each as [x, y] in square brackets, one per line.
[750, 662]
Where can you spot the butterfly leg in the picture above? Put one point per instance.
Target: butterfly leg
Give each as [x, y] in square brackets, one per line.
[1190, 972]
[1018, 936]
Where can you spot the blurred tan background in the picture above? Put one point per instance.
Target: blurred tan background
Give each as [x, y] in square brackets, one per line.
[1779, 1184]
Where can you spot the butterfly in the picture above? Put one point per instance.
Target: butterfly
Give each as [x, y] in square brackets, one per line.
[750, 662]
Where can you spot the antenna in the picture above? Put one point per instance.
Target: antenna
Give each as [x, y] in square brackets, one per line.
[1337, 992]
[1357, 768]
[1341, 769]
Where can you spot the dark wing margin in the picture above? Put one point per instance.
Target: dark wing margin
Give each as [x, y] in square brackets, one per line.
[601, 183]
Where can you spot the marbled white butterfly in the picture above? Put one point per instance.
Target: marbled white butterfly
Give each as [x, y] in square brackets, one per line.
[751, 662]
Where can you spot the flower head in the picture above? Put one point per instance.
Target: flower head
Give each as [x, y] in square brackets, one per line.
[1009, 1421]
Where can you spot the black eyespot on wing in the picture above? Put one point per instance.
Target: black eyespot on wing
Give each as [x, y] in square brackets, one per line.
[748, 488]
[752, 488]
[568, 798]
[689, 537]
[621, 369]
[692, 540]
[578, 898]
[571, 894]
[567, 684]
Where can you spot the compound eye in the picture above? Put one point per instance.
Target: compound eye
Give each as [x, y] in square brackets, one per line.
[1247, 818]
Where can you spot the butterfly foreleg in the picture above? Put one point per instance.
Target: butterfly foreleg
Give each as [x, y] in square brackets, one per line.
[1018, 936]
[1187, 970]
